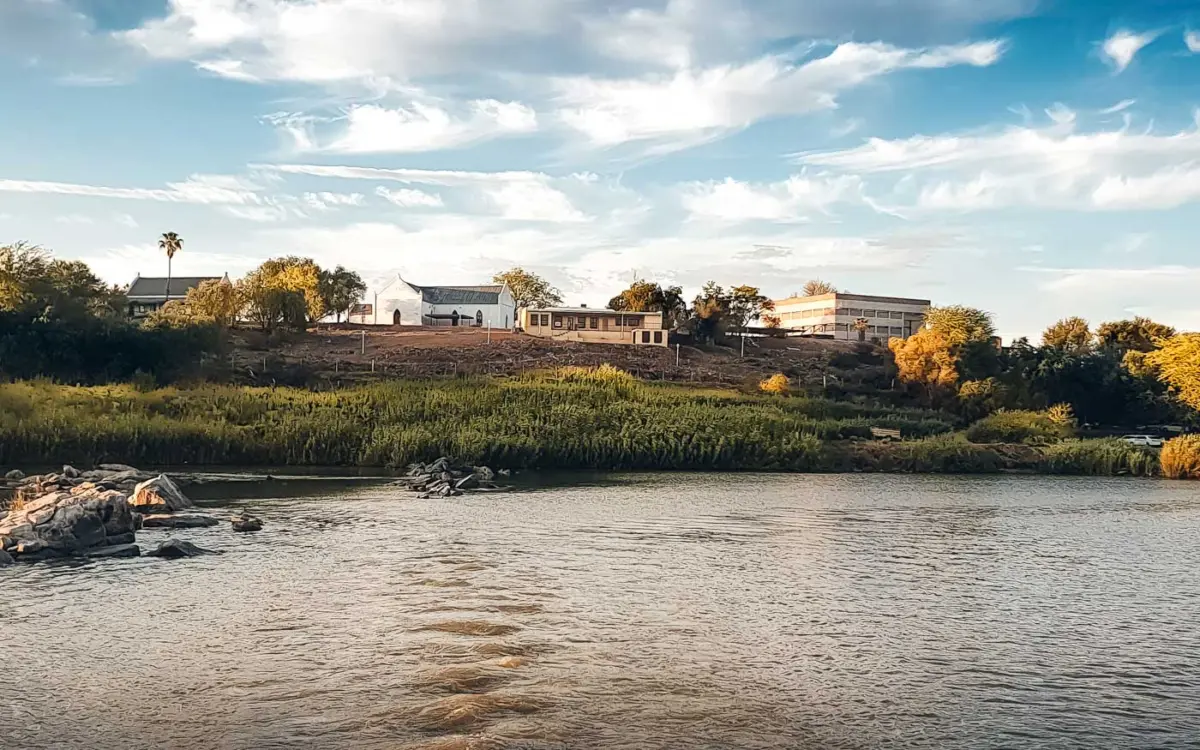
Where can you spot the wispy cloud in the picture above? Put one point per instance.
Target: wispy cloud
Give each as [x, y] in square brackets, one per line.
[1192, 40]
[1123, 46]
[202, 189]
[410, 198]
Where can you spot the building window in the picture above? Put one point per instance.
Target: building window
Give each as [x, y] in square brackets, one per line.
[658, 337]
[843, 326]
[645, 337]
[558, 322]
[593, 323]
[545, 321]
[855, 311]
[843, 311]
[479, 317]
[868, 313]
[897, 331]
[897, 315]
[634, 322]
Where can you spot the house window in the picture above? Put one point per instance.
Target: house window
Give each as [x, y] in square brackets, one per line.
[546, 319]
[479, 317]
[634, 322]
[645, 337]
[593, 323]
[855, 311]
[658, 337]
[897, 331]
[868, 313]
[558, 322]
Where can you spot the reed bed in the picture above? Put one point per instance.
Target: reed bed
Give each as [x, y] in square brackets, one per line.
[571, 418]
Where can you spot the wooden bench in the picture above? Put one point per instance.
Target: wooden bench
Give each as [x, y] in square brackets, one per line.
[879, 433]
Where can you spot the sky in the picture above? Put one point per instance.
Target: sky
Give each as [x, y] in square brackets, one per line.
[1034, 158]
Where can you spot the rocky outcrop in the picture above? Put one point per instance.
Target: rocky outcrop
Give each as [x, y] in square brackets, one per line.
[65, 523]
[5, 558]
[158, 495]
[175, 549]
[444, 479]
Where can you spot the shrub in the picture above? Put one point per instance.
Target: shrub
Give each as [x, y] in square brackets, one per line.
[1109, 457]
[777, 384]
[1032, 427]
[1180, 457]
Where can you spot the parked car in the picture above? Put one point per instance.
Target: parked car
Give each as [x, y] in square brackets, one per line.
[1146, 440]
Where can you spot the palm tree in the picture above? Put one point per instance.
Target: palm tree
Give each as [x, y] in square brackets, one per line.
[170, 243]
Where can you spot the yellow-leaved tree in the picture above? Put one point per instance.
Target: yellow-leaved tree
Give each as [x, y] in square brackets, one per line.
[270, 292]
[926, 359]
[1177, 362]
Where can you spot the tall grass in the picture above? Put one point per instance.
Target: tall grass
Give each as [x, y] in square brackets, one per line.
[1032, 427]
[1109, 457]
[1181, 457]
[570, 418]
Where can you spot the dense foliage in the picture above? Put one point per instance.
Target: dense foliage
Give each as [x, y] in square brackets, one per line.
[1181, 457]
[573, 418]
[528, 289]
[1033, 427]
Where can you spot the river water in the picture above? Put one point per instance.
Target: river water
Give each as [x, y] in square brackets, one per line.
[653, 611]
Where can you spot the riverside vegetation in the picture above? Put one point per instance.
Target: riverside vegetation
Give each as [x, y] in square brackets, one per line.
[570, 418]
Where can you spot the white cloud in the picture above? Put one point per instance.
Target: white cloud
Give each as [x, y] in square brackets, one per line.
[1123, 46]
[1053, 167]
[533, 200]
[125, 220]
[1192, 40]
[790, 200]
[1120, 106]
[422, 126]
[202, 189]
[409, 198]
[446, 178]
[693, 105]
[325, 201]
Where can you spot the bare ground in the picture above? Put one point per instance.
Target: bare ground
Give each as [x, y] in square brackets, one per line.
[415, 351]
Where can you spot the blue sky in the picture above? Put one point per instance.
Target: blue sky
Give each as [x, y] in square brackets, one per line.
[1034, 158]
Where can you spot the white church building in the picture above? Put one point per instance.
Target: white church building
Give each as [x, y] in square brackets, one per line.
[400, 302]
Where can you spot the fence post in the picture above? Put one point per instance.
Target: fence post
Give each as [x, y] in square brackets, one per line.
[372, 365]
[677, 350]
[364, 342]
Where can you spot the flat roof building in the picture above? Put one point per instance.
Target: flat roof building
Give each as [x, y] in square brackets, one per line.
[594, 326]
[838, 316]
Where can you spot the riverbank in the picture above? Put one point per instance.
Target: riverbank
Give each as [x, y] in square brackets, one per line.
[566, 419]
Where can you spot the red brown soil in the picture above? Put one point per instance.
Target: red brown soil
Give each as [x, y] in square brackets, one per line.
[415, 351]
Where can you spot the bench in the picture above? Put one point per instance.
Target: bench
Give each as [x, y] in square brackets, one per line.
[879, 433]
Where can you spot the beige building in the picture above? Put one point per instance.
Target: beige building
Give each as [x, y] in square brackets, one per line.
[835, 315]
[590, 326]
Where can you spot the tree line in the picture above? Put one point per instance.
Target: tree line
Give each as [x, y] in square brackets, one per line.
[1125, 372]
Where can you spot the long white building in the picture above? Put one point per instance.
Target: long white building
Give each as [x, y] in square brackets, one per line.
[835, 316]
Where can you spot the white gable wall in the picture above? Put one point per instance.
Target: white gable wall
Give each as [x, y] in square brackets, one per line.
[398, 296]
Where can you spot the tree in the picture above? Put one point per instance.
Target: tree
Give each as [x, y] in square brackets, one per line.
[215, 300]
[645, 296]
[709, 312]
[746, 304]
[528, 289]
[1177, 361]
[32, 283]
[170, 243]
[1140, 334]
[1070, 335]
[925, 360]
[861, 325]
[771, 320]
[283, 292]
[816, 288]
[960, 325]
[979, 398]
[341, 290]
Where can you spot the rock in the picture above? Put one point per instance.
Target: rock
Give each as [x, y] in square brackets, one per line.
[181, 521]
[15, 475]
[118, 550]
[121, 477]
[246, 522]
[504, 473]
[484, 474]
[7, 542]
[5, 559]
[127, 538]
[158, 495]
[62, 524]
[467, 482]
[117, 468]
[138, 520]
[70, 472]
[174, 549]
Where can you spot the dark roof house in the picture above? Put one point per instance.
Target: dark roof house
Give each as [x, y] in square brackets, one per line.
[154, 289]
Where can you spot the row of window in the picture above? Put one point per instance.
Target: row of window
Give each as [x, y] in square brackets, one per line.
[658, 337]
[846, 327]
[852, 312]
[583, 321]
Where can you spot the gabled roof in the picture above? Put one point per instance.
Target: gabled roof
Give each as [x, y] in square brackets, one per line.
[147, 287]
[478, 294]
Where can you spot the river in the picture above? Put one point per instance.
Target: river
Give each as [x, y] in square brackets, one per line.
[631, 611]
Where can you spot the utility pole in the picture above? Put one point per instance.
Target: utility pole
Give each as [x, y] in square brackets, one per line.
[363, 349]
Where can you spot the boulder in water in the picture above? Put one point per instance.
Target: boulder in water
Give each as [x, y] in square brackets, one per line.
[180, 521]
[174, 549]
[117, 550]
[159, 495]
[5, 558]
[15, 475]
[246, 522]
